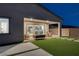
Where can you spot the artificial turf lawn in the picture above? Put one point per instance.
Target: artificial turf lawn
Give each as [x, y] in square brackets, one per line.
[59, 47]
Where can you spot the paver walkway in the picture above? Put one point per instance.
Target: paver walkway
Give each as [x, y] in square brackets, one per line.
[23, 49]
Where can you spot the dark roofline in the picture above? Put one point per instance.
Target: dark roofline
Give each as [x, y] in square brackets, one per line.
[60, 18]
[69, 26]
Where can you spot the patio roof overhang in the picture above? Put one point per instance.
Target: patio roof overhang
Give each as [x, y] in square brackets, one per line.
[44, 21]
[39, 21]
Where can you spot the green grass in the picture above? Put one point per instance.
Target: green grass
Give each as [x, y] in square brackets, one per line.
[59, 47]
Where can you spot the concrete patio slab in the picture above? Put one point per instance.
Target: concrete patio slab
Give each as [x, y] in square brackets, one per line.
[19, 48]
[4, 48]
[26, 49]
[38, 52]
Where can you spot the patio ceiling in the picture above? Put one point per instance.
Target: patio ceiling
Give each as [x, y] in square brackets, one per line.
[39, 21]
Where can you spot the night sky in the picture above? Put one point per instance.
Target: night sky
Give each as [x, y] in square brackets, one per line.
[69, 12]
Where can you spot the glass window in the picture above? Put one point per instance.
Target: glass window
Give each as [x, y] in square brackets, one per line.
[30, 29]
[39, 29]
[4, 25]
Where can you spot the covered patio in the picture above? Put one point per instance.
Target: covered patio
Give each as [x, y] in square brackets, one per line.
[39, 29]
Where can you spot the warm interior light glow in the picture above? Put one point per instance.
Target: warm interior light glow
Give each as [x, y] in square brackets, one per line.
[31, 19]
[4, 25]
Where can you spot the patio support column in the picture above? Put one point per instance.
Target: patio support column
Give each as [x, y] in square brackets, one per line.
[59, 29]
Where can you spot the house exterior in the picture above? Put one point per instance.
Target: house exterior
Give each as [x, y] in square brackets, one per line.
[39, 29]
[13, 17]
[70, 31]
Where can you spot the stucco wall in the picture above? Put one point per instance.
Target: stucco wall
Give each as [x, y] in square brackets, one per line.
[70, 32]
[65, 32]
[53, 32]
[74, 33]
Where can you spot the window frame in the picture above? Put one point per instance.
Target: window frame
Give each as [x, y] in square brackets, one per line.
[8, 24]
